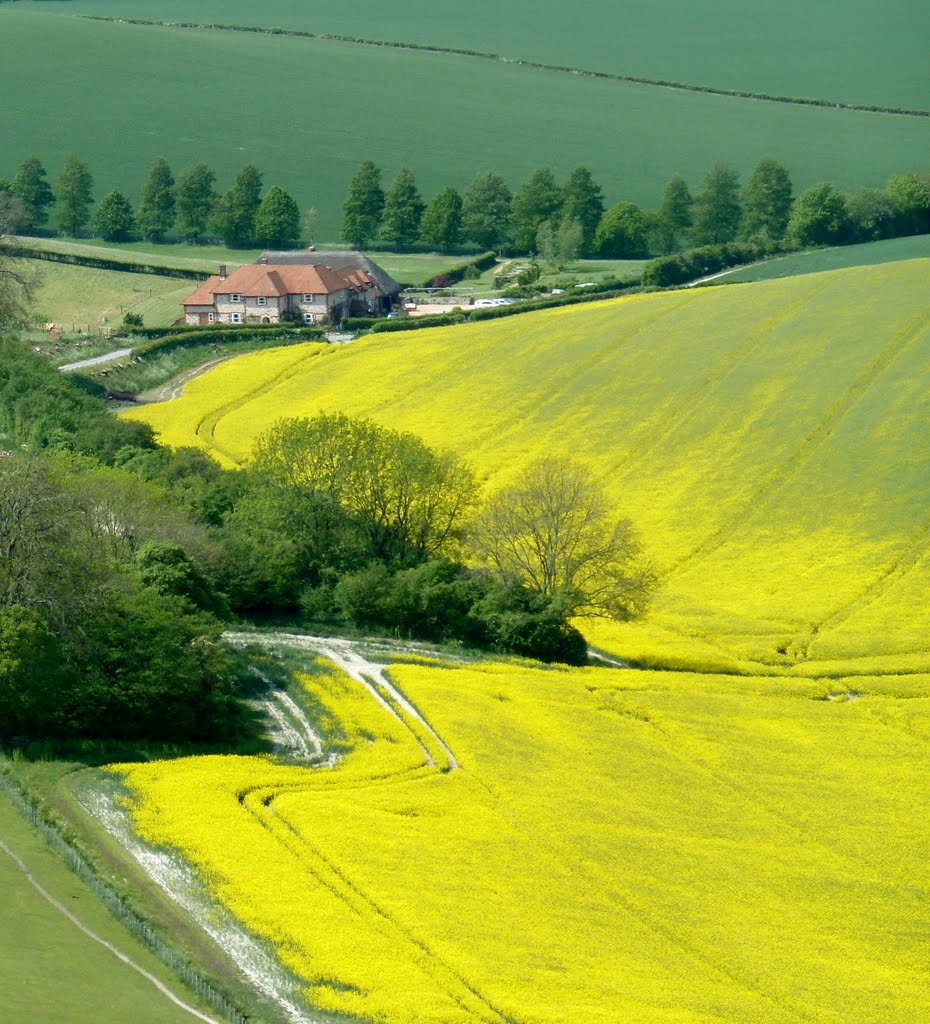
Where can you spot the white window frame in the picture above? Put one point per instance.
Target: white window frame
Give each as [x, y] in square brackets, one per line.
[262, 301]
[235, 297]
[211, 318]
[235, 318]
[309, 299]
[309, 318]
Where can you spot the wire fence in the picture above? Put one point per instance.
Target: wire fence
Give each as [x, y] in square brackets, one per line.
[136, 924]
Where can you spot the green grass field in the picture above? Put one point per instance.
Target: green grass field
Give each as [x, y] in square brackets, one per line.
[817, 260]
[50, 972]
[769, 440]
[86, 86]
[842, 50]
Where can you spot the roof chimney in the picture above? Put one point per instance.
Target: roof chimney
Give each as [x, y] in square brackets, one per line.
[222, 271]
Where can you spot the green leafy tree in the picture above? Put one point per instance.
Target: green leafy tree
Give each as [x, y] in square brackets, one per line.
[113, 219]
[75, 191]
[403, 210]
[621, 234]
[583, 201]
[539, 200]
[233, 217]
[870, 215]
[442, 223]
[277, 221]
[195, 197]
[673, 218]
[554, 532]
[559, 246]
[363, 206]
[818, 216]
[717, 210]
[157, 209]
[32, 187]
[910, 194]
[486, 211]
[766, 200]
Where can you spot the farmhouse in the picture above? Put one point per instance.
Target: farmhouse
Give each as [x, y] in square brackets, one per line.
[300, 287]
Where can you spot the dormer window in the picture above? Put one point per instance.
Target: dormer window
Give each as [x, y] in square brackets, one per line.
[235, 298]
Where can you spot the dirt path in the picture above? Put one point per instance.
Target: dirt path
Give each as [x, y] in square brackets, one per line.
[47, 896]
[109, 357]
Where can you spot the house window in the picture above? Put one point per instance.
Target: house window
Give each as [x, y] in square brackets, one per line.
[262, 301]
[309, 318]
[211, 318]
[235, 298]
[308, 298]
[236, 318]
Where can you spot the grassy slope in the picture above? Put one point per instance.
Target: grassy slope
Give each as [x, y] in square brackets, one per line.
[817, 260]
[769, 440]
[50, 973]
[620, 846]
[306, 127]
[71, 295]
[846, 50]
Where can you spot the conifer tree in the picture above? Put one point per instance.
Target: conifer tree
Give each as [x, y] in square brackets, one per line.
[157, 209]
[194, 197]
[31, 185]
[442, 223]
[277, 221]
[75, 195]
[363, 206]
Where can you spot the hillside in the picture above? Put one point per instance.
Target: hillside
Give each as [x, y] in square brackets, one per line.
[769, 440]
[324, 105]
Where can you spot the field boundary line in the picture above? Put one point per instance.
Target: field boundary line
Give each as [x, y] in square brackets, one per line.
[165, 991]
[496, 58]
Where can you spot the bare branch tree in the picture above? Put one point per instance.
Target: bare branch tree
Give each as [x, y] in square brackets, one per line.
[17, 281]
[555, 531]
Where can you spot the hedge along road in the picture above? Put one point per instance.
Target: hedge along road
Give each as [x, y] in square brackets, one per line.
[63, 958]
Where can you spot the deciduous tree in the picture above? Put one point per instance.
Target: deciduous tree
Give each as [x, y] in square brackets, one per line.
[233, 217]
[277, 221]
[486, 208]
[113, 219]
[910, 194]
[766, 200]
[673, 218]
[403, 210]
[31, 185]
[818, 216]
[717, 208]
[75, 191]
[363, 206]
[195, 197]
[442, 223]
[538, 201]
[583, 201]
[554, 531]
[157, 209]
[621, 234]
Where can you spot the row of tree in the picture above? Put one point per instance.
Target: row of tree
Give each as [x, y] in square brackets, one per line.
[121, 561]
[561, 222]
[190, 205]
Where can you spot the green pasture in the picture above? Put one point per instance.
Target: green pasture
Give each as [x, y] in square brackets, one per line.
[81, 297]
[308, 111]
[854, 51]
[816, 260]
[52, 973]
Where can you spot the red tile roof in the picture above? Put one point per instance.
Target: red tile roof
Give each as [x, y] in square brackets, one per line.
[204, 294]
[270, 280]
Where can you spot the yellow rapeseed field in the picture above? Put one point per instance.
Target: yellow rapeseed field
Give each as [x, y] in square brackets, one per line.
[770, 441]
[617, 847]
